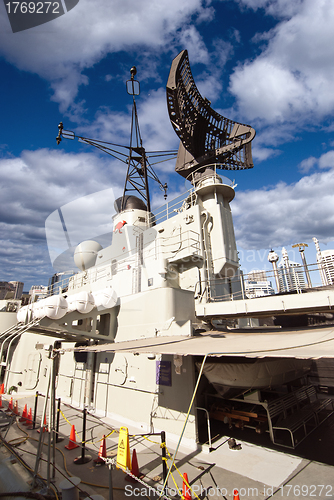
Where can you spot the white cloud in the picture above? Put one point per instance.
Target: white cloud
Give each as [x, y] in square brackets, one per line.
[277, 8]
[292, 78]
[307, 164]
[327, 160]
[58, 53]
[286, 214]
[261, 154]
[155, 128]
[36, 184]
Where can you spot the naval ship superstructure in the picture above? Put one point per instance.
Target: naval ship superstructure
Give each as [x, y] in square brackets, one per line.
[120, 326]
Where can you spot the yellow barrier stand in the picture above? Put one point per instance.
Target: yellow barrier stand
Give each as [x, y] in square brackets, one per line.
[123, 451]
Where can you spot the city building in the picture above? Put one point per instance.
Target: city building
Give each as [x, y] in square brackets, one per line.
[38, 292]
[18, 288]
[257, 285]
[290, 274]
[11, 289]
[325, 261]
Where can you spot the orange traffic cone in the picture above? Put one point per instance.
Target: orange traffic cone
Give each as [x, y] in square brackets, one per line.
[45, 427]
[2, 389]
[134, 469]
[236, 495]
[72, 442]
[102, 452]
[185, 488]
[16, 409]
[10, 405]
[28, 421]
[24, 414]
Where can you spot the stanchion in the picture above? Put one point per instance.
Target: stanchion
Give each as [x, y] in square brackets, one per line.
[35, 411]
[83, 459]
[111, 491]
[163, 456]
[58, 437]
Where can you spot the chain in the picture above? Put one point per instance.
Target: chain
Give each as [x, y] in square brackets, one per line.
[113, 461]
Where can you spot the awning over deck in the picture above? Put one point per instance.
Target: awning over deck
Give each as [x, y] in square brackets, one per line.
[311, 343]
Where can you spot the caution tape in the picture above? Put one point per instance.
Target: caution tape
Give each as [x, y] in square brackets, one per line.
[150, 440]
[183, 479]
[163, 445]
[88, 441]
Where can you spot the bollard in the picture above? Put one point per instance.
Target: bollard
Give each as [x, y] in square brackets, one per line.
[163, 456]
[69, 488]
[111, 489]
[35, 411]
[83, 459]
[58, 438]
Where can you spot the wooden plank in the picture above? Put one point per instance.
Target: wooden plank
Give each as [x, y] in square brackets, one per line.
[220, 415]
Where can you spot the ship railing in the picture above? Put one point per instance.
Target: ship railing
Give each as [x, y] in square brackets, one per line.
[184, 240]
[295, 278]
[219, 290]
[259, 283]
[215, 177]
[188, 199]
[173, 207]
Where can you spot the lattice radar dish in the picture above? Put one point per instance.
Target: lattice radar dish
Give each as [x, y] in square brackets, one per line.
[206, 136]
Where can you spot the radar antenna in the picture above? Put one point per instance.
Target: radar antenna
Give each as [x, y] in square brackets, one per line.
[206, 136]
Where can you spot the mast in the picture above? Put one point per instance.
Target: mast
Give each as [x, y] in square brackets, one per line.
[136, 176]
[139, 169]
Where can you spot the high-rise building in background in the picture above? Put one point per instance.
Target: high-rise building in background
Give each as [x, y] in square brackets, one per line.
[257, 275]
[257, 285]
[11, 289]
[325, 261]
[290, 274]
[17, 288]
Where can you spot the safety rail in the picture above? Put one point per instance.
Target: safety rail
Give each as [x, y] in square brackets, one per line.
[173, 207]
[213, 290]
[184, 240]
[293, 417]
[245, 286]
[189, 198]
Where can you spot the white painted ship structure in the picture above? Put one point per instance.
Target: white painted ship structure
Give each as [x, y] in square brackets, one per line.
[133, 327]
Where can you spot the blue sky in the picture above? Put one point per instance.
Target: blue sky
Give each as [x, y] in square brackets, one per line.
[268, 63]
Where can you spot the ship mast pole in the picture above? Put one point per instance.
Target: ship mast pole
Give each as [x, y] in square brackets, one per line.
[136, 175]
